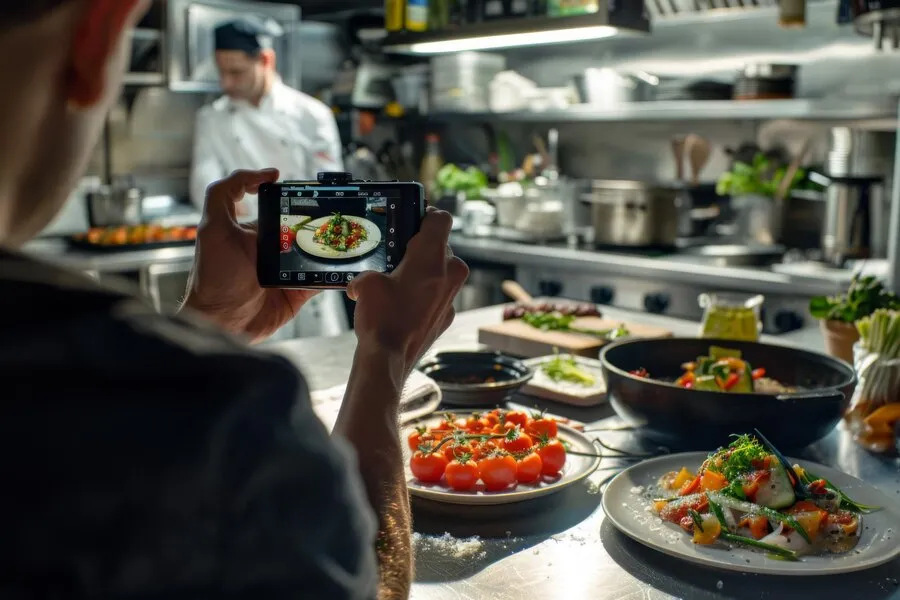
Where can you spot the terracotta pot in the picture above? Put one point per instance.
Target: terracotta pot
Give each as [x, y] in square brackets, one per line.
[839, 339]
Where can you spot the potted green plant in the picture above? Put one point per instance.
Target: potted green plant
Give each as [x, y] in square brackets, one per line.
[838, 314]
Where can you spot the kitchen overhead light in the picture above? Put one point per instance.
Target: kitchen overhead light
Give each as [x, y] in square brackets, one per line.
[515, 40]
[517, 33]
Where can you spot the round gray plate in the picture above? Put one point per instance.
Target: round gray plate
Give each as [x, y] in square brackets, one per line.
[627, 509]
[576, 469]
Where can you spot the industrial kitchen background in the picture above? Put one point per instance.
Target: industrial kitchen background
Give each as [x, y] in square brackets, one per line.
[603, 156]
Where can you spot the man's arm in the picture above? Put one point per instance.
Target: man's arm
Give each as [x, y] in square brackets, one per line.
[206, 166]
[369, 421]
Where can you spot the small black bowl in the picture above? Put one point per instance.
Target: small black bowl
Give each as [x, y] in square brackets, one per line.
[687, 419]
[476, 378]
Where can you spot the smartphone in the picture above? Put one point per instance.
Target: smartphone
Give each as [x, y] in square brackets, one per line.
[322, 234]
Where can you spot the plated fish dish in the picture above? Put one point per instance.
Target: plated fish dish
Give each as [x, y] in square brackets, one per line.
[747, 494]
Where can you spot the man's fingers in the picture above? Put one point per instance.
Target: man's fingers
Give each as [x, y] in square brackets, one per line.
[434, 235]
[222, 195]
[355, 287]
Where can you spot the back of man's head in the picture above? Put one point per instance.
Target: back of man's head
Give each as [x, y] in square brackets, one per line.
[14, 13]
[63, 62]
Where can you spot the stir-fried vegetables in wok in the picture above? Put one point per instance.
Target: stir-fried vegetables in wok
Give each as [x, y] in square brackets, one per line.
[747, 494]
[724, 370]
[340, 233]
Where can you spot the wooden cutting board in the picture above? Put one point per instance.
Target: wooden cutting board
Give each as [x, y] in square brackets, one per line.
[521, 339]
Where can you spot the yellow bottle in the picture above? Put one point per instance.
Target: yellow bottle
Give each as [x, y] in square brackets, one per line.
[394, 14]
[416, 15]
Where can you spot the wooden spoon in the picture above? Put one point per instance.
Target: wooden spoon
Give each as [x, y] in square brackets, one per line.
[516, 292]
[698, 150]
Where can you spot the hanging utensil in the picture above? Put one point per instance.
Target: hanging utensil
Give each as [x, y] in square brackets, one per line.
[698, 150]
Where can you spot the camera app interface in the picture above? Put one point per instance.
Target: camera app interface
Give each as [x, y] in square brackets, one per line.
[330, 234]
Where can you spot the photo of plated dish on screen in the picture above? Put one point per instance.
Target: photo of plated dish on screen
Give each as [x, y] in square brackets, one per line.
[333, 234]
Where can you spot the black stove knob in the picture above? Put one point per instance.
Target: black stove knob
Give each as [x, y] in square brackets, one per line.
[788, 320]
[657, 303]
[550, 289]
[602, 294]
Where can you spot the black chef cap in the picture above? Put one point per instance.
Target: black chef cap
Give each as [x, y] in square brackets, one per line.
[248, 34]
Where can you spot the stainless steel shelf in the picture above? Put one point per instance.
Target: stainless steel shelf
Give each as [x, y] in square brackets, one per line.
[833, 109]
[144, 79]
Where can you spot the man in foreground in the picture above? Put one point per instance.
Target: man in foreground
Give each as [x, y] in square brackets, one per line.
[152, 457]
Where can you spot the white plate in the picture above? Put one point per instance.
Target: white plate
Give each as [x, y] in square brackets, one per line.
[306, 243]
[627, 510]
[542, 386]
[576, 469]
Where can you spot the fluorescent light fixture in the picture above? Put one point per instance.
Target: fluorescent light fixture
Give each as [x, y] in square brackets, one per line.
[515, 40]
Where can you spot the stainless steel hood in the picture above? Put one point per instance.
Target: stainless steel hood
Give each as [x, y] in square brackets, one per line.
[612, 18]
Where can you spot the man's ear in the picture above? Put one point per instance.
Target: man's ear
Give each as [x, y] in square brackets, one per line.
[268, 57]
[101, 29]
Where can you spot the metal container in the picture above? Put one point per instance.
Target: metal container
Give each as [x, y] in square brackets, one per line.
[460, 82]
[633, 213]
[766, 81]
[859, 153]
[608, 88]
[853, 219]
[112, 207]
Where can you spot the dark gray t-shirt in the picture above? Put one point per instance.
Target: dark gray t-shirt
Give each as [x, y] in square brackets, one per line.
[143, 456]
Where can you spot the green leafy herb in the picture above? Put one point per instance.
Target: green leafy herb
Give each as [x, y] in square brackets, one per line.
[847, 503]
[553, 321]
[453, 179]
[717, 511]
[762, 177]
[565, 368]
[756, 509]
[737, 459]
[864, 296]
[775, 551]
[697, 519]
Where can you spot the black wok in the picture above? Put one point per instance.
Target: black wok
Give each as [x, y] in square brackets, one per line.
[686, 419]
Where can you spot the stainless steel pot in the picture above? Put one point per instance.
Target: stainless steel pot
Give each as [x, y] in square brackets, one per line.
[608, 88]
[112, 207]
[633, 213]
[854, 217]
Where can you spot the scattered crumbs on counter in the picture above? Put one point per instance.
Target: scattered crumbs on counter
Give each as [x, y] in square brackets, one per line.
[536, 552]
[448, 545]
[720, 584]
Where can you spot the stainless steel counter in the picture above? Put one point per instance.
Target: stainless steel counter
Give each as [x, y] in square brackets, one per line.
[561, 547]
[58, 252]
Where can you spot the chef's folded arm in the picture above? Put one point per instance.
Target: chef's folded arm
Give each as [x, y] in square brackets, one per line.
[207, 166]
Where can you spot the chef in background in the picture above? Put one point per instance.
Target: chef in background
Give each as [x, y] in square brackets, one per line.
[261, 123]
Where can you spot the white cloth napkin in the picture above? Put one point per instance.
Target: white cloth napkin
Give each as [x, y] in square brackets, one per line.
[421, 396]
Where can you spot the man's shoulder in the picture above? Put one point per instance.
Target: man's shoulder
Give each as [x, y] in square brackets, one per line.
[216, 107]
[306, 104]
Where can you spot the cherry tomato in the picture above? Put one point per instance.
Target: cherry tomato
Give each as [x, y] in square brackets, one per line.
[461, 476]
[522, 443]
[445, 425]
[492, 417]
[476, 423]
[529, 467]
[553, 457]
[415, 439]
[453, 451]
[516, 417]
[758, 373]
[428, 467]
[482, 449]
[502, 428]
[540, 428]
[498, 472]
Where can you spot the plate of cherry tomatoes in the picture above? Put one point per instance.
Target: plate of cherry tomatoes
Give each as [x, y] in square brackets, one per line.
[495, 457]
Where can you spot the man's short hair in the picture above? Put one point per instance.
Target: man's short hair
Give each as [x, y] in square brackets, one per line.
[19, 12]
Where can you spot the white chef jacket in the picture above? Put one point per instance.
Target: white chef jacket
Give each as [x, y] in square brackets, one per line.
[290, 131]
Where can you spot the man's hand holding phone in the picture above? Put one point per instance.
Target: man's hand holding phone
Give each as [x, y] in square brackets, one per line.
[402, 313]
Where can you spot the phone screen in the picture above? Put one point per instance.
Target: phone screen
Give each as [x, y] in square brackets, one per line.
[327, 235]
